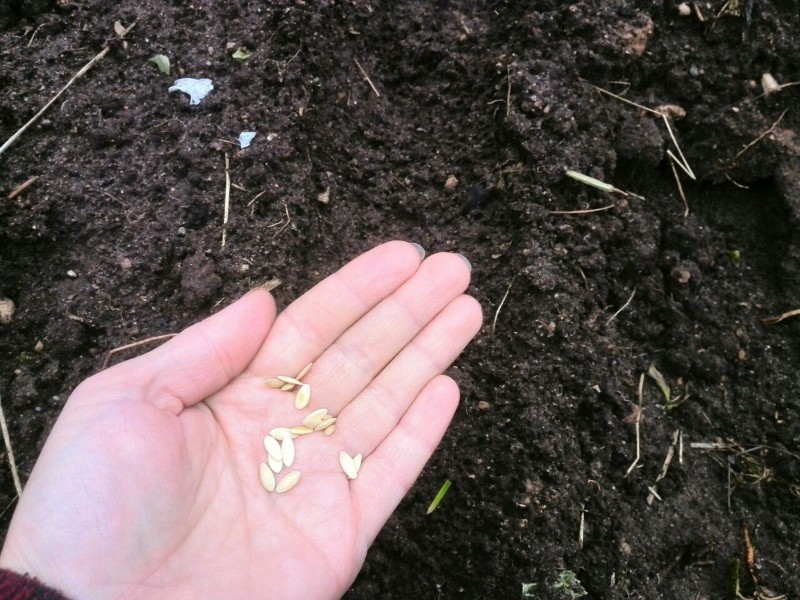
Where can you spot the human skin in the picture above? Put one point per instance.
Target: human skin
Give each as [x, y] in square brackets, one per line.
[148, 485]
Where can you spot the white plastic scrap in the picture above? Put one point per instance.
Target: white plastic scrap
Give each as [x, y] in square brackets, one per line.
[245, 138]
[196, 89]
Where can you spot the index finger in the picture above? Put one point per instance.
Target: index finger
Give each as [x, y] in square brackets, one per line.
[316, 319]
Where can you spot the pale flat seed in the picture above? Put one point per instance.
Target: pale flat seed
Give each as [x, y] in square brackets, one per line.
[325, 424]
[357, 461]
[287, 379]
[347, 464]
[330, 430]
[304, 372]
[316, 415]
[267, 477]
[280, 432]
[301, 430]
[274, 383]
[273, 448]
[275, 465]
[311, 423]
[287, 386]
[288, 482]
[303, 397]
[287, 449]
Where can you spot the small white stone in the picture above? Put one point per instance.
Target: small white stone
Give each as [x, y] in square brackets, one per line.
[7, 310]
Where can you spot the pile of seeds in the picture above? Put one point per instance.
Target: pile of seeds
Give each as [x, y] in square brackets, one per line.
[287, 384]
[279, 443]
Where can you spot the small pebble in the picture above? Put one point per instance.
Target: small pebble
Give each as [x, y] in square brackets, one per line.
[72, 274]
[7, 309]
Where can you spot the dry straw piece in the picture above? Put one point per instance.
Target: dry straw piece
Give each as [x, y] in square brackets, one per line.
[288, 482]
[303, 397]
[267, 477]
[289, 380]
[287, 450]
[287, 386]
[348, 465]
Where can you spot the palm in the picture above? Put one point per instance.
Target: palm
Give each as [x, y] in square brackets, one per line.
[148, 485]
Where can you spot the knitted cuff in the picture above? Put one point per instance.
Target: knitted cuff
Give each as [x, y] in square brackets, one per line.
[14, 586]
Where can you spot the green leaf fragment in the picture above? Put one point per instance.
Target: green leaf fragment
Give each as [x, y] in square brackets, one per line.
[438, 499]
[528, 590]
[162, 62]
[569, 582]
[591, 181]
[241, 53]
[735, 256]
[656, 376]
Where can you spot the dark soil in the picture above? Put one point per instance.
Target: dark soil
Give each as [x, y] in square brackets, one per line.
[119, 240]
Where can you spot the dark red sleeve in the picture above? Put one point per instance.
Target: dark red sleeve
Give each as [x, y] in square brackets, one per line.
[14, 586]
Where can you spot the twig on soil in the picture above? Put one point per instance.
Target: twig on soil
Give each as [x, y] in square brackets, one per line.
[758, 139]
[749, 553]
[500, 306]
[508, 90]
[637, 419]
[369, 81]
[7, 440]
[626, 101]
[44, 109]
[682, 163]
[585, 211]
[22, 187]
[285, 225]
[227, 199]
[664, 467]
[156, 338]
[680, 188]
[33, 36]
[779, 318]
[623, 307]
[582, 526]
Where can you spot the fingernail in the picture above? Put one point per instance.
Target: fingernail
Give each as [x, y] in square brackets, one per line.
[420, 249]
[464, 258]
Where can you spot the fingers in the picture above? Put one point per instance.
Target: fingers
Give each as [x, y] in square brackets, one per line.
[388, 473]
[375, 413]
[362, 352]
[313, 321]
[200, 360]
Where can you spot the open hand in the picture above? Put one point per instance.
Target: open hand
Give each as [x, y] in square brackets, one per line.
[148, 485]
